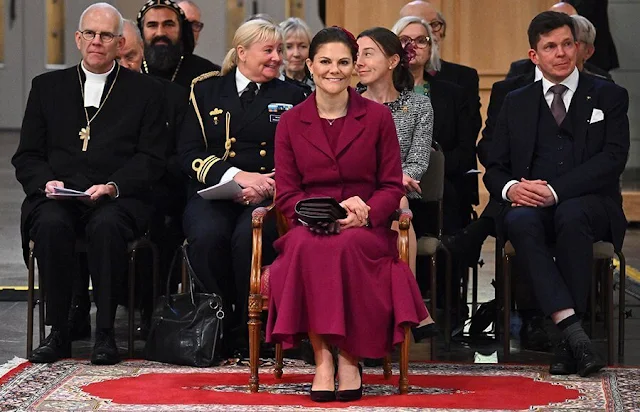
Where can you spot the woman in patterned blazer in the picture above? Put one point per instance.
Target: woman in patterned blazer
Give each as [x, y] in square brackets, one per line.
[383, 67]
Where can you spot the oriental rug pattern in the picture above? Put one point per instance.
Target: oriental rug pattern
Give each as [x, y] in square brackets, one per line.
[144, 386]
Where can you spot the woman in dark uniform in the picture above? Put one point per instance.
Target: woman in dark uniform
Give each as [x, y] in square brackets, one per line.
[228, 133]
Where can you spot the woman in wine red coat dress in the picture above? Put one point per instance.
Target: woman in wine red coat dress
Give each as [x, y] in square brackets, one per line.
[347, 288]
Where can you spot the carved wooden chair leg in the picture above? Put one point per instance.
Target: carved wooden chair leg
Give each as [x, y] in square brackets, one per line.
[386, 367]
[404, 362]
[30, 303]
[255, 324]
[279, 361]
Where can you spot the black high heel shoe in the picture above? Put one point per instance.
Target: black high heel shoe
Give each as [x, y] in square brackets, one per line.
[324, 396]
[350, 395]
[426, 331]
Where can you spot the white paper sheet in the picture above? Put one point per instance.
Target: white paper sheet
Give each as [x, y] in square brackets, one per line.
[64, 192]
[222, 191]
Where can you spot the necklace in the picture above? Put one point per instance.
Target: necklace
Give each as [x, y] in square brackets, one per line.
[85, 132]
[175, 72]
[343, 113]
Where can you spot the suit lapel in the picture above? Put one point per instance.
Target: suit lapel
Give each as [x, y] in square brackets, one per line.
[312, 126]
[583, 101]
[352, 128]
[528, 124]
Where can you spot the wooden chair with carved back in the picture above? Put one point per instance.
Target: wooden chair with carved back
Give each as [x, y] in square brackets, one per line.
[259, 295]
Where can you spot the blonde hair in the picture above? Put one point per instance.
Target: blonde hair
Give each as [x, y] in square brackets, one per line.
[434, 60]
[253, 31]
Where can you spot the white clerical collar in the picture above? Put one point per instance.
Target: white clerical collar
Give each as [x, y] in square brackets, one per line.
[571, 81]
[242, 82]
[94, 85]
[537, 75]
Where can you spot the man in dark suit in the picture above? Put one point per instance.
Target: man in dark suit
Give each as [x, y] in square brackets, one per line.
[605, 56]
[465, 77]
[169, 195]
[560, 171]
[96, 128]
[586, 35]
[169, 43]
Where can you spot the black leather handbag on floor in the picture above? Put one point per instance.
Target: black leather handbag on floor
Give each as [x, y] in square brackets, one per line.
[185, 327]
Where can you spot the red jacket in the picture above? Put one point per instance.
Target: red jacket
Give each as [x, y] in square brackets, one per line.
[366, 163]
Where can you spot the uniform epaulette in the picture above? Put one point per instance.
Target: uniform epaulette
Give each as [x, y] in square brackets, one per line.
[205, 76]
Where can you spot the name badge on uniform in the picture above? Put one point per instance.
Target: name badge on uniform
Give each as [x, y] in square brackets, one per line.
[279, 107]
[274, 118]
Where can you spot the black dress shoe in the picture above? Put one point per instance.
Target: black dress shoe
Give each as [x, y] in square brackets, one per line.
[588, 359]
[425, 331]
[79, 321]
[563, 361]
[56, 346]
[350, 395]
[105, 351]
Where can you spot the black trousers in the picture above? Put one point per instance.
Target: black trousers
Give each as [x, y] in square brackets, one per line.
[220, 245]
[55, 227]
[571, 227]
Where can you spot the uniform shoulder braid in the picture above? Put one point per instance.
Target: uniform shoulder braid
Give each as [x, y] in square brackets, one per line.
[205, 76]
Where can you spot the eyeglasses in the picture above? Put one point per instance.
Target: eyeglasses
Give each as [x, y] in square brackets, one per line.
[105, 36]
[436, 26]
[420, 42]
[196, 25]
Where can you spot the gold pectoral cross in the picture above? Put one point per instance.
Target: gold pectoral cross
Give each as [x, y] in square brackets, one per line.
[84, 136]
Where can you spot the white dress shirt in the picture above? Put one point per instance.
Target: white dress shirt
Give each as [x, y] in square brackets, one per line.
[94, 85]
[571, 82]
[242, 82]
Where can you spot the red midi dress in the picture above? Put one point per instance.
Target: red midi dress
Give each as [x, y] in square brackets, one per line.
[352, 288]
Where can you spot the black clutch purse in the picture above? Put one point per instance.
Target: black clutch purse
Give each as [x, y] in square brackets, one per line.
[185, 327]
[318, 210]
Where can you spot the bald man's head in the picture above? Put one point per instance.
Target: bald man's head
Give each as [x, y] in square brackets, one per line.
[422, 9]
[132, 52]
[427, 12]
[565, 8]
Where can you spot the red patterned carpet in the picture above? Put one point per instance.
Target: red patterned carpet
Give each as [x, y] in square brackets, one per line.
[142, 386]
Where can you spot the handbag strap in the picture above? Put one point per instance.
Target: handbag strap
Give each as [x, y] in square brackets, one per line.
[192, 274]
[171, 267]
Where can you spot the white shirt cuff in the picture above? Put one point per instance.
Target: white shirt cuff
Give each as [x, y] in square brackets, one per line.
[230, 174]
[553, 192]
[506, 188]
[117, 189]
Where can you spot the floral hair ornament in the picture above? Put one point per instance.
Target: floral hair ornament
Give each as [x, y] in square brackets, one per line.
[409, 53]
[350, 35]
